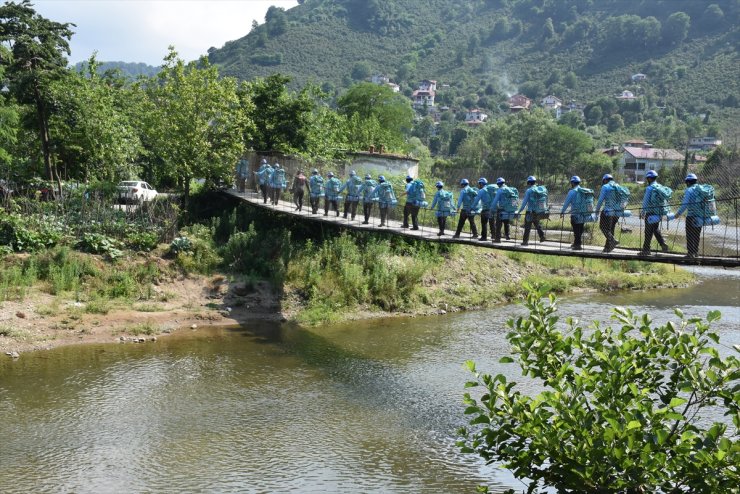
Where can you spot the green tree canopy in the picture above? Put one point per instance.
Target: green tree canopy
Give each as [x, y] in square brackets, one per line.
[38, 47]
[387, 115]
[195, 126]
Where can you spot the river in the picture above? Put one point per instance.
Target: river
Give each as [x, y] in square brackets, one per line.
[361, 407]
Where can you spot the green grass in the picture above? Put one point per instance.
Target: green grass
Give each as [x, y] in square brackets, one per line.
[142, 329]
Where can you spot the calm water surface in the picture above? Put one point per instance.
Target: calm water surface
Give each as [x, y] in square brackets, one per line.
[363, 407]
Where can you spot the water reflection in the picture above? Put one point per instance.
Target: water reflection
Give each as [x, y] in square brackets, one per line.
[368, 407]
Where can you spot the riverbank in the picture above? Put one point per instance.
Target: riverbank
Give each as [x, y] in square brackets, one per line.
[463, 278]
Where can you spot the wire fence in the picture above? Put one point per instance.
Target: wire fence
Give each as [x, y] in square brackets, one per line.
[714, 241]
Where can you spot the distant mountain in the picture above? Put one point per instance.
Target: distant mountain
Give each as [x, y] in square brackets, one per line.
[486, 50]
[129, 70]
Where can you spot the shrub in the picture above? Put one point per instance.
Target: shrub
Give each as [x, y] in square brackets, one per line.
[97, 243]
[618, 413]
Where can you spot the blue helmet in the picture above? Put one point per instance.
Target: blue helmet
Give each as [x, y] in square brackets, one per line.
[651, 174]
[409, 178]
[314, 172]
[330, 174]
[381, 178]
[575, 179]
[464, 182]
[352, 173]
[531, 179]
[440, 184]
[691, 177]
[482, 181]
[368, 177]
[500, 180]
[607, 177]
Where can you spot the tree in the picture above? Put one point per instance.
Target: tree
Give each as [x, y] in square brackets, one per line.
[276, 21]
[94, 137]
[38, 47]
[615, 123]
[361, 71]
[281, 120]
[389, 114]
[676, 28]
[195, 126]
[619, 409]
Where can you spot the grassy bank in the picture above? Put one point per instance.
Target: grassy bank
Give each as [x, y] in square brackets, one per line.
[325, 275]
[232, 262]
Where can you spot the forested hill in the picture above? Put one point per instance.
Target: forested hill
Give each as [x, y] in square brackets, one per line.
[485, 49]
[126, 69]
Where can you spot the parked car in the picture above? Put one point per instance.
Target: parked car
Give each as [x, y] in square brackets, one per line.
[135, 192]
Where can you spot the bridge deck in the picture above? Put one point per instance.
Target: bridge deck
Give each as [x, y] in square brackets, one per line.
[555, 246]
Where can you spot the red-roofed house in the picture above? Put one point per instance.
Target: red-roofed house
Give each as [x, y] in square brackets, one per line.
[519, 102]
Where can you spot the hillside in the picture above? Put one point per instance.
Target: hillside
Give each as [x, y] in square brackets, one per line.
[129, 70]
[579, 50]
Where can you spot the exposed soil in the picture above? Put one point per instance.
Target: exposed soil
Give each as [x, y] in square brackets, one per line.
[43, 321]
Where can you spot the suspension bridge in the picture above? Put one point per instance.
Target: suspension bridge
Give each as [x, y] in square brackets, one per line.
[719, 245]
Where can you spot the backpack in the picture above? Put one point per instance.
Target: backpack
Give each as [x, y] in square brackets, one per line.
[622, 194]
[510, 200]
[445, 201]
[334, 185]
[584, 201]
[416, 192]
[705, 193]
[316, 184]
[386, 193]
[659, 199]
[539, 198]
[472, 194]
[279, 177]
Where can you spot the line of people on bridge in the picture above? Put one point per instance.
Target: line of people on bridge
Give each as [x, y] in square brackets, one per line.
[498, 204]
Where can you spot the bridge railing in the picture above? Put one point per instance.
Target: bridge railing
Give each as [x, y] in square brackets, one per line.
[722, 240]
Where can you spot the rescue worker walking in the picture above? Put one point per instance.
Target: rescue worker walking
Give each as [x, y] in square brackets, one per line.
[414, 201]
[613, 197]
[535, 200]
[386, 198]
[242, 171]
[484, 198]
[315, 190]
[368, 197]
[503, 208]
[443, 203]
[465, 206]
[277, 183]
[353, 185]
[298, 188]
[654, 208]
[580, 201]
[331, 189]
[264, 175]
[701, 209]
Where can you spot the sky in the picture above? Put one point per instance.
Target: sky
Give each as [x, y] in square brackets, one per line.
[142, 30]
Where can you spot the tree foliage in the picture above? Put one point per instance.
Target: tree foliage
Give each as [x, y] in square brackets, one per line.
[195, 126]
[37, 58]
[377, 116]
[620, 406]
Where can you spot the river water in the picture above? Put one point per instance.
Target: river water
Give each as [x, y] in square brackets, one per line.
[361, 407]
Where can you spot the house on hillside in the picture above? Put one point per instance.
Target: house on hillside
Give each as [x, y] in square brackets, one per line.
[422, 97]
[638, 77]
[427, 85]
[551, 102]
[380, 163]
[394, 87]
[519, 102]
[475, 117]
[704, 143]
[635, 161]
[626, 95]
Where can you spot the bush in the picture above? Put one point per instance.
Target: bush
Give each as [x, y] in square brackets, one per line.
[97, 243]
[618, 414]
